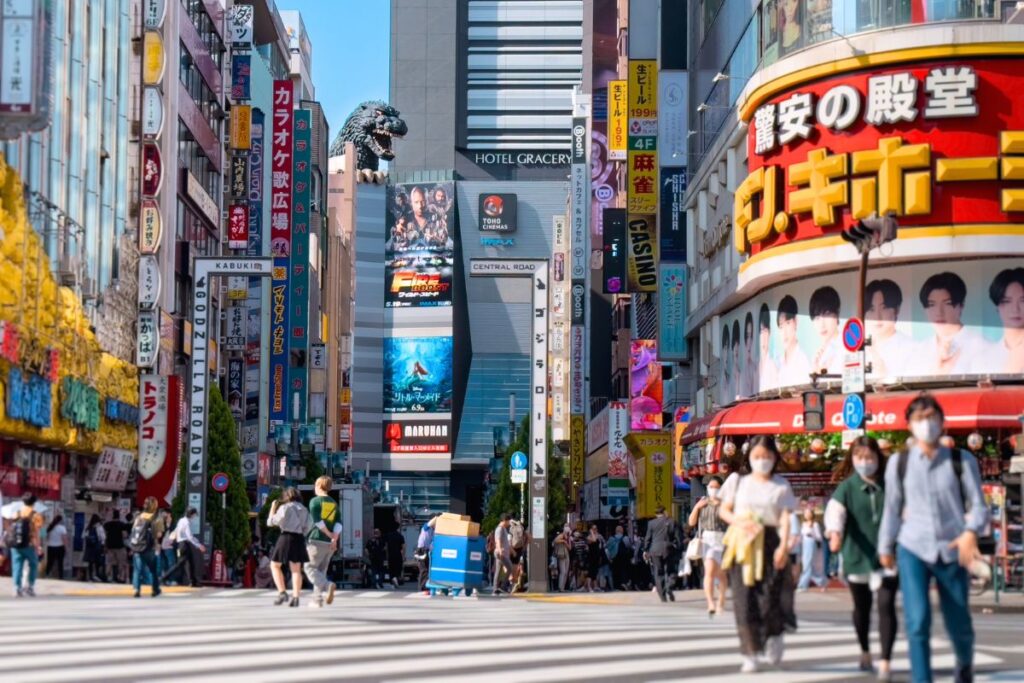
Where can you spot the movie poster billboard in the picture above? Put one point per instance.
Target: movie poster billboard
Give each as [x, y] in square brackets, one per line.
[420, 245]
[955, 319]
[645, 388]
[417, 374]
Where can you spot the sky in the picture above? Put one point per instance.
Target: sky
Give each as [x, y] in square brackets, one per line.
[350, 62]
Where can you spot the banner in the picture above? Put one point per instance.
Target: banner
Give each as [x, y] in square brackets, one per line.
[673, 120]
[645, 386]
[280, 247]
[241, 76]
[618, 454]
[298, 277]
[642, 261]
[418, 255]
[618, 125]
[577, 454]
[236, 387]
[672, 293]
[159, 411]
[642, 162]
[579, 179]
[672, 220]
[652, 452]
[408, 436]
[417, 374]
[241, 126]
[238, 226]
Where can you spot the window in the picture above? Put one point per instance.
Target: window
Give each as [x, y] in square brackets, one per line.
[744, 59]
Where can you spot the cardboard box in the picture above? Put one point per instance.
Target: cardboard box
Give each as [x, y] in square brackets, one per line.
[457, 527]
[454, 517]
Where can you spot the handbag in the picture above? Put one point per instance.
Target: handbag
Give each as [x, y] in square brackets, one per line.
[695, 549]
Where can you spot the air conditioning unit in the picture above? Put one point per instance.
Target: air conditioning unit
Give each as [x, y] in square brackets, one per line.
[90, 289]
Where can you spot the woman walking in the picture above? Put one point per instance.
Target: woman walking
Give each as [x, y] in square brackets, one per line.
[289, 515]
[56, 547]
[95, 540]
[595, 553]
[810, 552]
[852, 520]
[168, 556]
[711, 532]
[757, 508]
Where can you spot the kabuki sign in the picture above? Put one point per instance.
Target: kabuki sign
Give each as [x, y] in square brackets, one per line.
[933, 143]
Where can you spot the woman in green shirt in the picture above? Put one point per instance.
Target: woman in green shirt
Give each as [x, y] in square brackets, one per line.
[852, 519]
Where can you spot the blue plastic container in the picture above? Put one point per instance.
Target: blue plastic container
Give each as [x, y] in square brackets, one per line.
[457, 562]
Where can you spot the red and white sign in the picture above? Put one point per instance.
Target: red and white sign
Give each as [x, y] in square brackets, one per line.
[159, 410]
[152, 170]
[238, 226]
[618, 453]
[281, 171]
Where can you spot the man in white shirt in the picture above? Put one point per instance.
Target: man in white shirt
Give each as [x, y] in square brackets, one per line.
[187, 544]
[954, 350]
[824, 310]
[890, 351]
[794, 368]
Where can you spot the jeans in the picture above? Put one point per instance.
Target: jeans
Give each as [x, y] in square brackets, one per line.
[915, 577]
[810, 549]
[320, 554]
[19, 556]
[166, 561]
[145, 562]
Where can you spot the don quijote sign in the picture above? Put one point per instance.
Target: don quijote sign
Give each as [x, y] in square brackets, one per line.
[878, 420]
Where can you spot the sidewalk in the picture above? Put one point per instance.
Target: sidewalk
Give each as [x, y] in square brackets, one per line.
[46, 587]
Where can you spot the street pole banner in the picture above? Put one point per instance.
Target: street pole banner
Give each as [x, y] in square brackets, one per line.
[280, 247]
[298, 278]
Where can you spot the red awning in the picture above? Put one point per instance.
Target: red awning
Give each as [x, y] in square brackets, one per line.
[995, 408]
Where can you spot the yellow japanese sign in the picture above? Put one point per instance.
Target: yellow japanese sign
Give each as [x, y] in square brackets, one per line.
[241, 126]
[153, 57]
[642, 137]
[653, 454]
[617, 121]
[642, 255]
[577, 454]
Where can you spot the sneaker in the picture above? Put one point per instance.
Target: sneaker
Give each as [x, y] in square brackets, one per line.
[137, 594]
[317, 603]
[30, 592]
[330, 593]
[157, 592]
[18, 592]
[774, 649]
[750, 665]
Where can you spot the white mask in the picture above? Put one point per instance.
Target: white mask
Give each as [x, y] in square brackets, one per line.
[926, 431]
[713, 494]
[866, 469]
[763, 466]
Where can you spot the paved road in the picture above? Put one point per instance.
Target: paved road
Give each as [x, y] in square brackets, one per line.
[388, 636]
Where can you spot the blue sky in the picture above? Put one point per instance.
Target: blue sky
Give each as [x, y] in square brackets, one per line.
[350, 52]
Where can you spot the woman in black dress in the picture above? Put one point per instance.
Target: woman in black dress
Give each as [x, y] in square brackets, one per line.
[289, 515]
[595, 551]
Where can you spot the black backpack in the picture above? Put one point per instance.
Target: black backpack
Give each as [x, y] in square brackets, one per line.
[141, 538]
[21, 535]
[986, 544]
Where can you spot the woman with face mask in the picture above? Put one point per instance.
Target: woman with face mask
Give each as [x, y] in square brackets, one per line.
[757, 507]
[852, 519]
[710, 531]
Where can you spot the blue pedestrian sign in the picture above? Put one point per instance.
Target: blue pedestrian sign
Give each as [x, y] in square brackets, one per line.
[518, 461]
[518, 465]
[853, 411]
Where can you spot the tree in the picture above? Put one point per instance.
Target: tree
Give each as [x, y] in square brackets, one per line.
[558, 499]
[269, 534]
[230, 524]
[180, 495]
[506, 495]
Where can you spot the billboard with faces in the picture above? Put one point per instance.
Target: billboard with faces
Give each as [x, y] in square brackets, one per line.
[420, 244]
[945, 319]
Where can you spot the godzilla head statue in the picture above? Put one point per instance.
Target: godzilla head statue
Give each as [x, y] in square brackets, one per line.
[371, 127]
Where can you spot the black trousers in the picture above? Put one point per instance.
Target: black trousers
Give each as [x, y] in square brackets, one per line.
[186, 559]
[661, 564]
[765, 609]
[55, 561]
[887, 623]
[424, 566]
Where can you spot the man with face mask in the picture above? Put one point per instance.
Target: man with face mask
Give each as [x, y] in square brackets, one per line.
[934, 512]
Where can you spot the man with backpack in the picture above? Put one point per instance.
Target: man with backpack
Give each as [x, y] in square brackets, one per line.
[26, 546]
[518, 540]
[934, 513]
[145, 533]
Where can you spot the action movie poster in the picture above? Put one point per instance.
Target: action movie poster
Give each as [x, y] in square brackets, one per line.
[420, 244]
[417, 374]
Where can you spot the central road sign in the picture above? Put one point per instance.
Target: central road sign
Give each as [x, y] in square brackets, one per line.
[853, 411]
[853, 334]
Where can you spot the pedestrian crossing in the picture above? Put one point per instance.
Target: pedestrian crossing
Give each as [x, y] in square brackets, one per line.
[407, 638]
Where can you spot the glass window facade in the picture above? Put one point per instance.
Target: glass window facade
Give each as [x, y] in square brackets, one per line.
[491, 379]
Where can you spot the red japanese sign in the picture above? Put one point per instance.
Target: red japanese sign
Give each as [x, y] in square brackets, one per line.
[159, 429]
[281, 171]
[152, 169]
[934, 143]
[238, 226]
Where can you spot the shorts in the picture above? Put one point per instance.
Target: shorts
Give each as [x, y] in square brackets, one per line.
[516, 556]
[713, 547]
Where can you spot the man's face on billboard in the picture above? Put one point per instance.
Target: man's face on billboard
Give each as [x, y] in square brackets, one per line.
[787, 330]
[826, 325]
[1011, 307]
[881, 320]
[419, 202]
[943, 313]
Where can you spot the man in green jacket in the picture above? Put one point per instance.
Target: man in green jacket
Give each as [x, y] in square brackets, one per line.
[322, 542]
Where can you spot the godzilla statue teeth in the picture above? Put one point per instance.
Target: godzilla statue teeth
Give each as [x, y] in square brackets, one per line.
[371, 128]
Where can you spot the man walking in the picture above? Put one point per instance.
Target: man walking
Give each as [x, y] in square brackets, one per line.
[502, 552]
[423, 546]
[187, 545]
[659, 545]
[26, 546]
[146, 532]
[934, 512]
[376, 551]
[396, 556]
[322, 542]
[117, 554]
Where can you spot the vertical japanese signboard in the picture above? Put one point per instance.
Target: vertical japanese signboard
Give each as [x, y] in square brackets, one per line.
[642, 159]
[280, 247]
[672, 312]
[580, 184]
[618, 454]
[617, 121]
[577, 455]
[159, 437]
[298, 296]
